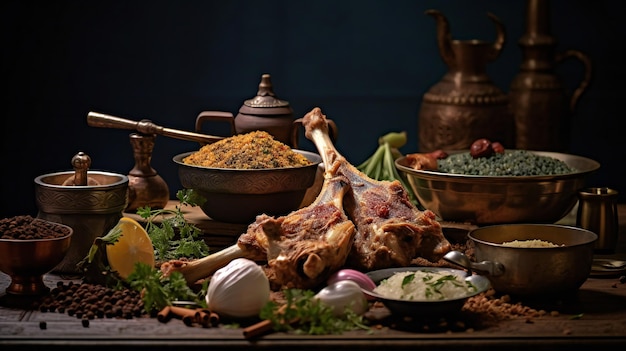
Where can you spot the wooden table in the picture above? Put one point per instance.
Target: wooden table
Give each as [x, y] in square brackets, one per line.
[595, 318]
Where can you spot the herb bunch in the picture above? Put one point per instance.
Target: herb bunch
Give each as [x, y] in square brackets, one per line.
[159, 291]
[174, 237]
[304, 314]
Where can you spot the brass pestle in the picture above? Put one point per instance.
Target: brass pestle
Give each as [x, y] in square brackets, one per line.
[81, 163]
[145, 126]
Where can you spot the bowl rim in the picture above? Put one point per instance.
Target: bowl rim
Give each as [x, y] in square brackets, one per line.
[591, 166]
[472, 236]
[123, 180]
[484, 282]
[315, 159]
[60, 238]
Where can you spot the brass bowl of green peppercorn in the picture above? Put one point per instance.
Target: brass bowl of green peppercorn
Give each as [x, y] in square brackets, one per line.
[495, 199]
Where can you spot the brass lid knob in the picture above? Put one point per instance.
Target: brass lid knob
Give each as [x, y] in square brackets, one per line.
[265, 96]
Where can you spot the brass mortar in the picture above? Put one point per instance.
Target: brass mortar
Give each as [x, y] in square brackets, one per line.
[91, 210]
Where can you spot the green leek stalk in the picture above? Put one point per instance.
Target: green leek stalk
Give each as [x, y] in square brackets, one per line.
[381, 164]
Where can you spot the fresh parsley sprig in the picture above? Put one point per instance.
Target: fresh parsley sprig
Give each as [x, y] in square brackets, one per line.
[173, 237]
[158, 290]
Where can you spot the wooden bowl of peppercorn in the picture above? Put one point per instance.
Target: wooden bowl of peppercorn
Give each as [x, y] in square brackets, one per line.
[29, 248]
[509, 186]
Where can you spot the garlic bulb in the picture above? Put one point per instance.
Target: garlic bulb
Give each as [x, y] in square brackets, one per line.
[343, 294]
[240, 289]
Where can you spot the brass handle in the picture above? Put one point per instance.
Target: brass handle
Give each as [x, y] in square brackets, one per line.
[584, 83]
[498, 44]
[219, 116]
[96, 119]
[444, 37]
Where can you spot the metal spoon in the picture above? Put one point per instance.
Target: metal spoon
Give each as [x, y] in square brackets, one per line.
[614, 264]
[459, 259]
[492, 268]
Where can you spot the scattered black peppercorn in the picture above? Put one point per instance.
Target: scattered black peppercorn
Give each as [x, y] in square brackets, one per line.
[92, 301]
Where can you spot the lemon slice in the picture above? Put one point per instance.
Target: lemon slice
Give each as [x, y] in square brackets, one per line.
[134, 245]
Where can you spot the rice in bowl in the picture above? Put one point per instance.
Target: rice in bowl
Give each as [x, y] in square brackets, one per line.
[424, 285]
[530, 243]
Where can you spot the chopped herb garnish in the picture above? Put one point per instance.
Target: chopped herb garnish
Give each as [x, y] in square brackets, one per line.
[424, 285]
[407, 280]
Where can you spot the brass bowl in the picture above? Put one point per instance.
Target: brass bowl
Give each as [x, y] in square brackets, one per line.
[531, 271]
[239, 195]
[487, 200]
[26, 261]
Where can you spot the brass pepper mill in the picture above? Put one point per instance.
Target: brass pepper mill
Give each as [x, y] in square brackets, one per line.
[145, 186]
[465, 104]
[538, 100]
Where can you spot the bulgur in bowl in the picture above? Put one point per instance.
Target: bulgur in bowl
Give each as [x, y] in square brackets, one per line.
[499, 199]
[236, 193]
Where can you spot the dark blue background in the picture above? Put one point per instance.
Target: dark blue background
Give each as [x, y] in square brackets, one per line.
[366, 63]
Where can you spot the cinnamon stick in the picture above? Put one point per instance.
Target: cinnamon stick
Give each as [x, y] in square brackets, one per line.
[202, 318]
[189, 320]
[257, 329]
[265, 325]
[164, 315]
[187, 315]
[261, 328]
[214, 319]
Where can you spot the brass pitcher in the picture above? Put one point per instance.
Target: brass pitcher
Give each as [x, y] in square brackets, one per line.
[465, 104]
[265, 112]
[538, 100]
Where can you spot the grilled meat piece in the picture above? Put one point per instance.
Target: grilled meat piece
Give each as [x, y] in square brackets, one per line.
[302, 249]
[391, 231]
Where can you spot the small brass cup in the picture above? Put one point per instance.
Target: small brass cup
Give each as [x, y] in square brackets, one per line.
[597, 212]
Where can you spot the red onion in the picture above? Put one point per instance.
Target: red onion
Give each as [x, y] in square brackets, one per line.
[360, 278]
